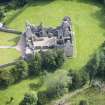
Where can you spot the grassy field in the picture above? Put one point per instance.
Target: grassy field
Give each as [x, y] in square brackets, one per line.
[87, 21]
[8, 39]
[8, 55]
[92, 96]
[89, 32]
[16, 91]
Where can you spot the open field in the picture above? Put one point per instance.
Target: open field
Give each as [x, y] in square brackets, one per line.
[92, 96]
[87, 24]
[8, 39]
[16, 91]
[88, 20]
[8, 55]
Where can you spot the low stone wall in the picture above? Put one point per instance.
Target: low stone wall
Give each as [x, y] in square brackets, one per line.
[4, 29]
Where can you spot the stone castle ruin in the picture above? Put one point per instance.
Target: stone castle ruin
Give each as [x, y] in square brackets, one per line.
[39, 38]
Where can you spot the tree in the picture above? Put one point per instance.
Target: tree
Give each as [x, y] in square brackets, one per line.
[92, 67]
[19, 3]
[1, 13]
[83, 102]
[35, 64]
[13, 74]
[5, 78]
[52, 59]
[29, 99]
[20, 70]
[56, 85]
[101, 67]
[96, 66]
[3, 1]
[60, 57]
[78, 79]
[49, 60]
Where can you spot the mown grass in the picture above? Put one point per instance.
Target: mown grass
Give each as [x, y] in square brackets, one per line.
[89, 31]
[8, 39]
[87, 21]
[8, 55]
[16, 91]
[91, 95]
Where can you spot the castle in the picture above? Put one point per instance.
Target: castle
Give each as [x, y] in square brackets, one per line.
[39, 38]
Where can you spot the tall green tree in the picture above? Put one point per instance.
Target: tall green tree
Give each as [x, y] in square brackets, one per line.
[60, 57]
[49, 60]
[1, 13]
[6, 78]
[20, 70]
[78, 79]
[101, 68]
[19, 3]
[35, 64]
[92, 67]
[3, 1]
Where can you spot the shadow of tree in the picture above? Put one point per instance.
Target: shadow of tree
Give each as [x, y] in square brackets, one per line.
[92, 2]
[100, 15]
[93, 63]
[40, 2]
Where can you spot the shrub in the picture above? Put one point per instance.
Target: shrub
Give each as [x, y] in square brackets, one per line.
[1, 13]
[20, 70]
[6, 78]
[83, 102]
[60, 57]
[78, 79]
[29, 99]
[42, 98]
[11, 75]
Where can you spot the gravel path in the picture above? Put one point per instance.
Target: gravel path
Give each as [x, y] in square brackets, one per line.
[7, 47]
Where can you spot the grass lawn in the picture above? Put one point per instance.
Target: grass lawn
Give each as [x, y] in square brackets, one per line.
[87, 24]
[8, 39]
[16, 91]
[8, 55]
[92, 96]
